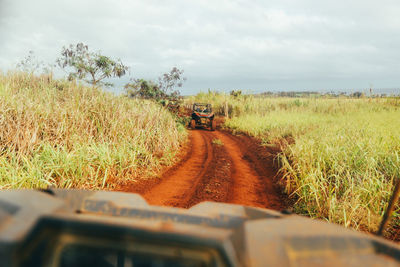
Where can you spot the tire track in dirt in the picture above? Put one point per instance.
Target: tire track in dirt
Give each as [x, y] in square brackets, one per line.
[237, 171]
[216, 184]
[253, 176]
[178, 185]
[246, 182]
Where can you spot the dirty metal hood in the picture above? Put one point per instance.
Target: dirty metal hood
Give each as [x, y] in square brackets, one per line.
[78, 228]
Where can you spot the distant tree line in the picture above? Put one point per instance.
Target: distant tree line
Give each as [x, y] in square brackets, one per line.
[297, 94]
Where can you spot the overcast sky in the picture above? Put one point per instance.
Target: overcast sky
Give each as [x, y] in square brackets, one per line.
[220, 44]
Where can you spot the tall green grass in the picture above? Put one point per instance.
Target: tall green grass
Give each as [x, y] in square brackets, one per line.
[53, 132]
[341, 156]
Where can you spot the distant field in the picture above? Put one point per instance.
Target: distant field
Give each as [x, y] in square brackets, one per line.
[57, 133]
[341, 155]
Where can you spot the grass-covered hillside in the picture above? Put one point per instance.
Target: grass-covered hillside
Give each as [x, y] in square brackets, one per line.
[54, 132]
[342, 155]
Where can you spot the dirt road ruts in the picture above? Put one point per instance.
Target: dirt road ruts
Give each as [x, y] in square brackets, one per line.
[217, 167]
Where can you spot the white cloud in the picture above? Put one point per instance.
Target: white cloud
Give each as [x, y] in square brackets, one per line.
[280, 44]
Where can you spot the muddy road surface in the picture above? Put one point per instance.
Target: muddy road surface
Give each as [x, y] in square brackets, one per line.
[218, 167]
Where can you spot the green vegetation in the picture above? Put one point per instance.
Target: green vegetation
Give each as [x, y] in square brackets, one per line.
[340, 156]
[217, 142]
[84, 63]
[161, 91]
[54, 132]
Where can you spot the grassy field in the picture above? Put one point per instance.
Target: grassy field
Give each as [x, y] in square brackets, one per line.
[341, 155]
[53, 132]
[339, 160]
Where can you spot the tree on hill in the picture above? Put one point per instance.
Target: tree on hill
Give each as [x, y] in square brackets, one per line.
[91, 67]
[140, 88]
[165, 89]
[357, 94]
[170, 81]
[32, 65]
[236, 93]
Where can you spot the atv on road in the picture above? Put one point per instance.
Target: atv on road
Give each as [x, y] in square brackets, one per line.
[202, 115]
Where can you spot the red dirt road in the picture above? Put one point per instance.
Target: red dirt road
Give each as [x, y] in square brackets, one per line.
[237, 171]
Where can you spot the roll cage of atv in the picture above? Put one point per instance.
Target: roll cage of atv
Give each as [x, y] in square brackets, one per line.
[203, 116]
